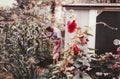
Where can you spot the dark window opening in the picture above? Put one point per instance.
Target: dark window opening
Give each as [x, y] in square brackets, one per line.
[104, 35]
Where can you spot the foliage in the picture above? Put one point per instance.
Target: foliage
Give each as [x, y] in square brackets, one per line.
[105, 66]
[24, 55]
[22, 51]
[75, 59]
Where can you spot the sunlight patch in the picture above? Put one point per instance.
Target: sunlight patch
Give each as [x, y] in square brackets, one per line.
[7, 3]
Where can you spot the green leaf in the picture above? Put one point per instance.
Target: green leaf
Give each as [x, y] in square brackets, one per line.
[92, 49]
[89, 34]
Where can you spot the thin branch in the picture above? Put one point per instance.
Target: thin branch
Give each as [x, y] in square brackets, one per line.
[105, 24]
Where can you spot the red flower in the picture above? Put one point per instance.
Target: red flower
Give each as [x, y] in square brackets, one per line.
[71, 26]
[75, 49]
[113, 67]
[81, 36]
[70, 62]
[83, 42]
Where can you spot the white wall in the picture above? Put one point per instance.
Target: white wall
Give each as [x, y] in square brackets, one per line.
[92, 24]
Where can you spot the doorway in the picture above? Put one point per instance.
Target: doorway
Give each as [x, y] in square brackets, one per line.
[105, 34]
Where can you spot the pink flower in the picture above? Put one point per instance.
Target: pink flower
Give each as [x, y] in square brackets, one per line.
[110, 54]
[118, 50]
